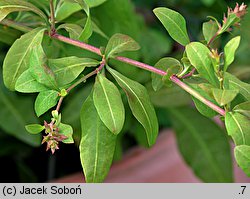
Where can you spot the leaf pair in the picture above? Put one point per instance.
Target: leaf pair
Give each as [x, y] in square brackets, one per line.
[102, 118]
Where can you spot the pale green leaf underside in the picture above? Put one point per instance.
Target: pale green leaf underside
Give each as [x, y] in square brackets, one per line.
[243, 108]
[108, 103]
[140, 105]
[224, 97]
[242, 156]
[174, 23]
[26, 83]
[97, 144]
[17, 58]
[39, 69]
[237, 126]
[232, 82]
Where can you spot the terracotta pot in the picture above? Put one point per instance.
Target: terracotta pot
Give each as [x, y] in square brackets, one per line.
[161, 163]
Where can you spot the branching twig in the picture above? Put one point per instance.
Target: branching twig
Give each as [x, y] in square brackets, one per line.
[138, 64]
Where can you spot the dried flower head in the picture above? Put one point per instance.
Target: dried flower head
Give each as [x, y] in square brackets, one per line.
[53, 137]
[239, 11]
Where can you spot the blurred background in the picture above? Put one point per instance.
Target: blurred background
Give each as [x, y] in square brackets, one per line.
[23, 159]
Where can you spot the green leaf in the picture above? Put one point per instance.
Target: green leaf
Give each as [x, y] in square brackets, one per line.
[174, 23]
[166, 97]
[229, 51]
[34, 128]
[45, 100]
[66, 130]
[97, 30]
[90, 3]
[232, 82]
[205, 90]
[164, 64]
[224, 97]
[140, 105]
[17, 58]
[26, 83]
[40, 71]
[97, 145]
[108, 103]
[74, 30]
[9, 6]
[243, 108]
[16, 112]
[68, 69]
[119, 43]
[67, 9]
[209, 29]
[199, 56]
[94, 3]
[237, 126]
[203, 144]
[87, 30]
[242, 156]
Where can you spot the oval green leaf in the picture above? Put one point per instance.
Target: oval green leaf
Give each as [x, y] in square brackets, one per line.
[199, 56]
[34, 128]
[108, 103]
[140, 105]
[174, 23]
[229, 51]
[237, 126]
[97, 145]
[209, 29]
[17, 58]
[120, 43]
[45, 100]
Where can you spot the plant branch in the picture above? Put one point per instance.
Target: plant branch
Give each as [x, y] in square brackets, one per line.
[185, 87]
[212, 39]
[138, 64]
